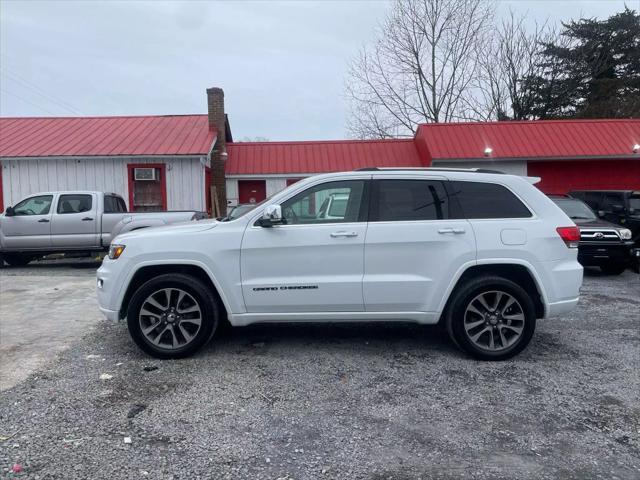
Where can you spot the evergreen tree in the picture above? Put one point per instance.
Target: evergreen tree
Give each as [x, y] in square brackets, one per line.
[592, 71]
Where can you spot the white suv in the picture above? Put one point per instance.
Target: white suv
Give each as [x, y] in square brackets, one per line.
[485, 254]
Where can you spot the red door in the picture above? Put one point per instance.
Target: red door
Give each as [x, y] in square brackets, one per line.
[251, 191]
[147, 194]
[1, 194]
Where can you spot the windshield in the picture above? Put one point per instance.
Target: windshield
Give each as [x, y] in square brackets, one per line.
[240, 210]
[575, 209]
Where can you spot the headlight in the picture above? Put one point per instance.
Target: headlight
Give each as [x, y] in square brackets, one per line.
[115, 251]
[625, 234]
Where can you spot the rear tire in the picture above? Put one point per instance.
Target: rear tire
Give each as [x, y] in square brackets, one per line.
[172, 316]
[613, 269]
[498, 332]
[17, 259]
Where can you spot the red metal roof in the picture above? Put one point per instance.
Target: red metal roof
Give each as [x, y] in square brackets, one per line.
[531, 139]
[105, 136]
[257, 158]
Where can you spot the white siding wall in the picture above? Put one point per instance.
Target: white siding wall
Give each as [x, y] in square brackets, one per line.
[20, 178]
[510, 167]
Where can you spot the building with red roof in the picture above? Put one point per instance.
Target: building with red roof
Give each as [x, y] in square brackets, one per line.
[190, 161]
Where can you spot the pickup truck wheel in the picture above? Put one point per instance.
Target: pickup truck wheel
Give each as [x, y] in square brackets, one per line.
[491, 318]
[172, 316]
[614, 268]
[17, 259]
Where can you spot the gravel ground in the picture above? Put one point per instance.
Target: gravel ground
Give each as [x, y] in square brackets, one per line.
[341, 401]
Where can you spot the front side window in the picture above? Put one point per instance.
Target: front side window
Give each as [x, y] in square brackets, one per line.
[332, 202]
[409, 200]
[487, 200]
[74, 204]
[34, 205]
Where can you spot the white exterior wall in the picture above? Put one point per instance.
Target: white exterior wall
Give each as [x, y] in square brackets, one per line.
[274, 184]
[23, 177]
[512, 167]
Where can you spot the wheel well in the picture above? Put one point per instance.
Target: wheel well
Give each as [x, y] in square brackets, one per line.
[147, 273]
[516, 273]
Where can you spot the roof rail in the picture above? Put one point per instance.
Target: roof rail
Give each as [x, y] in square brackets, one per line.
[436, 169]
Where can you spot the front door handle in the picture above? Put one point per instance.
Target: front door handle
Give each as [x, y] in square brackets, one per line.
[43, 220]
[343, 234]
[451, 230]
[87, 219]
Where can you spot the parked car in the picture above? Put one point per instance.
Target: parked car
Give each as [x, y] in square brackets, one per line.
[72, 222]
[334, 206]
[485, 254]
[621, 207]
[602, 244]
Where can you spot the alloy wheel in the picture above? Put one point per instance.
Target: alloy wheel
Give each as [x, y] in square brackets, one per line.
[170, 318]
[494, 320]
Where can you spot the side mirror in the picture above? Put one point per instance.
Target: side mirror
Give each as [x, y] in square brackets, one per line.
[601, 213]
[272, 215]
[9, 212]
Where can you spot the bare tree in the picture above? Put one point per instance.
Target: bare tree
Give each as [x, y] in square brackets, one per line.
[510, 57]
[420, 69]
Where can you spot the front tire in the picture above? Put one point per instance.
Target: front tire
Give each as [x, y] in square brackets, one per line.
[613, 268]
[172, 316]
[491, 318]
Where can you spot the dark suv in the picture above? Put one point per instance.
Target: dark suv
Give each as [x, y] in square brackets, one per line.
[621, 207]
[602, 244]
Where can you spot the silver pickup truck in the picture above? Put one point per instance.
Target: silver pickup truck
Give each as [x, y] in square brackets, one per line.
[64, 222]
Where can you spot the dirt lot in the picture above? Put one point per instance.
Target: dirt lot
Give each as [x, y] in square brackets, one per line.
[340, 401]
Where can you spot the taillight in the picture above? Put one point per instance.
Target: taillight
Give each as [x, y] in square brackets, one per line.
[570, 236]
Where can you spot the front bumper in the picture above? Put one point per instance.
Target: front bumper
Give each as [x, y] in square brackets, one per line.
[109, 282]
[596, 254]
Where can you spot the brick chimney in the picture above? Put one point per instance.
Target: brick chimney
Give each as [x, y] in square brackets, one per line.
[217, 121]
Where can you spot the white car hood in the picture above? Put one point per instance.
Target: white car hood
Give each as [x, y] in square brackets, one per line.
[173, 229]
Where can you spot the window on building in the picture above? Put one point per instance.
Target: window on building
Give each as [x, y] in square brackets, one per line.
[406, 200]
[487, 200]
[147, 184]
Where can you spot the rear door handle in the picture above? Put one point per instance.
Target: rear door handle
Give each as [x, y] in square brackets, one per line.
[451, 230]
[43, 220]
[87, 219]
[343, 234]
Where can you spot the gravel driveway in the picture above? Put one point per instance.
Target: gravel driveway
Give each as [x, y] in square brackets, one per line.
[341, 401]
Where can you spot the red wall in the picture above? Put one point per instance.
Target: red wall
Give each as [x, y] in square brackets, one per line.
[566, 175]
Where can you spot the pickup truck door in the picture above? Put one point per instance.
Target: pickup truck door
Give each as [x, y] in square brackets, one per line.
[30, 228]
[75, 221]
[311, 263]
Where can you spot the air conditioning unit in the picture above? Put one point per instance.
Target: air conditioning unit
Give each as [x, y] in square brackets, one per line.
[144, 174]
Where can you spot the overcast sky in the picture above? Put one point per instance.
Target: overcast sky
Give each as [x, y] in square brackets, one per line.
[282, 65]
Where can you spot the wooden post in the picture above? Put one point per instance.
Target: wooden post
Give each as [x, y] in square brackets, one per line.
[215, 206]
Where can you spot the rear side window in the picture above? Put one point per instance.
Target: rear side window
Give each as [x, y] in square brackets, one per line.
[74, 203]
[407, 200]
[487, 200]
[114, 204]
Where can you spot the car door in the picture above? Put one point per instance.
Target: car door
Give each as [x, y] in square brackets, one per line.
[74, 223]
[413, 249]
[30, 227]
[314, 262]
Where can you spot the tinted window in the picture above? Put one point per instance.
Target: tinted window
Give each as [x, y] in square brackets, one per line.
[114, 204]
[331, 202]
[575, 209]
[611, 199]
[34, 205]
[402, 200]
[74, 203]
[487, 200]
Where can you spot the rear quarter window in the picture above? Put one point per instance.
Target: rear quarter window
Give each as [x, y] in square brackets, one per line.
[478, 200]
